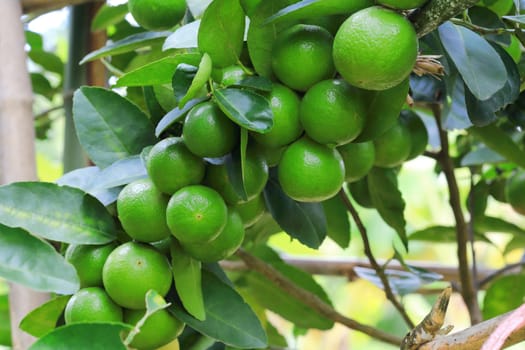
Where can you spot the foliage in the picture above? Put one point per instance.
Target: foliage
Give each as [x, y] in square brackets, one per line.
[478, 113]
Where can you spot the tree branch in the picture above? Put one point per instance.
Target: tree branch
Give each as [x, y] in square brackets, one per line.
[468, 288]
[474, 337]
[379, 269]
[435, 12]
[311, 299]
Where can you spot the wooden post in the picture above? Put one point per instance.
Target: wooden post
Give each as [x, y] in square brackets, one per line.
[17, 154]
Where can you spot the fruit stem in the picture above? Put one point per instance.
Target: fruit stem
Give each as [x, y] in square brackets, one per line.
[468, 287]
[373, 262]
[311, 299]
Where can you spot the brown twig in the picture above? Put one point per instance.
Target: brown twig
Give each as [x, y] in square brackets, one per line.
[311, 299]
[468, 289]
[378, 268]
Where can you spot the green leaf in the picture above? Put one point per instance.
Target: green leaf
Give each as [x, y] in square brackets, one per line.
[34, 263]
[497, 140]
[47, 60]
[441, 234]
[44, 318]
[181, 81]
[82, 178]
[337, 221]
[228, 318]
[165, 96]
[520, 19]
[157, 72]
[484, 224]
[246, 108]
[255, 82]
[261, 37]
[279, 301]
[235, 166]
[387, 199]
[476, 202]
[316, 8]
[221, 32]
[303, 221]
[102, 131]
[83, 336]
[199, 80]
[128, 44]
[122, 172]
[504, 294]
[188, 281]
[41, 85]
[63, 214]
[478, 63]
[5, 321]
[34, 40]
[482, 113]
[481, 155]
[108, 15]
[184, 37]
[176, 115]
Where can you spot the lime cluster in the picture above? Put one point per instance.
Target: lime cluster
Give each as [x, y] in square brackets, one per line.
[336, 99]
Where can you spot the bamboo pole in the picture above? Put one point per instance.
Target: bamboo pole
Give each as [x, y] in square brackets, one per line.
[17, 154]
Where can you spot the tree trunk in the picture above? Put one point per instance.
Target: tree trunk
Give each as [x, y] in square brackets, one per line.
[17, 154]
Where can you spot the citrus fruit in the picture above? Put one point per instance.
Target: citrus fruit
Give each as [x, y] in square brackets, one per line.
[255, 178]
[159, 329]
[229, 75]
[225, 244]
[375, 48]
[141, 210]
[92, 304]
[208, 132]
[382, 109]
[402, 4]
[89, 260]
[172, 166]
[418, 133]
[302, 56]
[252, 210]
[271, 155]
[514, 190]
[332, 113]
[157, 14]
[131, 270]
[173, 345]
[286, 126]
[360, 192]
[393, 147]
[196, 214]
[358, 158]
[310, 172]
[514, 49]
[500, 7]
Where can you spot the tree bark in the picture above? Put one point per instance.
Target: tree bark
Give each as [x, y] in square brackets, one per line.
[17, 154]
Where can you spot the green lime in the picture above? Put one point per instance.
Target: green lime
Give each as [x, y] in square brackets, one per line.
[222, 246]
[302, 56]
[208, 132]
[375, 48]
[159, 329]
[332, 113]
[92, 305]
[393, 147]
[89, 260]
[311, 172]
[252, 210]
[172, 166]
[358, 158]
[418, 133]
[196, 214]
[141, 210]
[157, 14]
[286, 125]
[131, 270]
